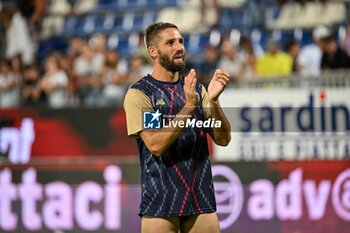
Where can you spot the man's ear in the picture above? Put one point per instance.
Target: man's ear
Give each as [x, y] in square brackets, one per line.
[153, 51]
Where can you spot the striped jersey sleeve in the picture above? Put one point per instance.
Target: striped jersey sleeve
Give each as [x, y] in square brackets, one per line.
[135, 103]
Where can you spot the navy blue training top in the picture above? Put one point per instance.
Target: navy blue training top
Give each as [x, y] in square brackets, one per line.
[179, 182]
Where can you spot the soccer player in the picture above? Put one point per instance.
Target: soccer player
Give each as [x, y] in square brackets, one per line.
[177, 186]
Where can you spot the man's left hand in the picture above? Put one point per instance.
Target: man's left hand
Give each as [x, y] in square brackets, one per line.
[217, 84]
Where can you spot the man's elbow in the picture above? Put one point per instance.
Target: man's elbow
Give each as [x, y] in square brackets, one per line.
[156, 150]
[224, 141]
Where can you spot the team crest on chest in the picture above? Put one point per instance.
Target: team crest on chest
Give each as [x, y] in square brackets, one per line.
[160, 102]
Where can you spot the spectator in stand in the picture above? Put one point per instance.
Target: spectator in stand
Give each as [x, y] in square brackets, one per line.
[293, 49]
[32, 95]
[142, 50]
[16, 64]
[274, 63]
[53, 21]
[98, 43]
[33, 12]
[334, 57]
[209, 65]
[66, 64]
[18, 40]
[75, 47]
[87, 68]
[9, 86]
[209, 12]
[230, 62]
[247, 48]
[138, 67]
[310, 56]
[347, 41]
[257, 11]
[113, 73]
[248, 54]
[55, 83]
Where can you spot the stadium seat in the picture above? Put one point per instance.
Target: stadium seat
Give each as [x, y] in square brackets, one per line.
[133, 43]
[153, 3]
[141, 20]
[148, 18]
[128, 21]
[294, 15]
[215, 37]
[310, 16]
[235, 18]
[271, 14]
[195, 43]
[88, 25]
[256, 36]
[59, 7]
[70, 25]
[306, 37]
[118, 23]
[231, 4]
[138, 22]
[123, 46]
[260, 37]
[82, 6]
[127, 45]
[160, 3]
[51, 25]
[335, 13]
[168, 14]
[104, 4]
[186, 18]
[105, 24]
[113, 41]
[128, 4]
[288, 14]
[52, 44]
[282, 36]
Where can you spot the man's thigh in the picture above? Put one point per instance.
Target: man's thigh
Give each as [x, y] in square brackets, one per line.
[200, 223]
[151, 224]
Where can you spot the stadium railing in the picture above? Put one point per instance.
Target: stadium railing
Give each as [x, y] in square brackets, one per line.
[327, 79]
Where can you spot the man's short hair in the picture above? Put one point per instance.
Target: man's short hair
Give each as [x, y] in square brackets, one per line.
[154, 29]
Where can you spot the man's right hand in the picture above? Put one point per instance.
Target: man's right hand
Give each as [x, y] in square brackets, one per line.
[190, 90]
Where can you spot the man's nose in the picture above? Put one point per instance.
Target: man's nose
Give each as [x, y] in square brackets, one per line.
[179, 46]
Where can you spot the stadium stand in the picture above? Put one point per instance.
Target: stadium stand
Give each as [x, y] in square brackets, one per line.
[296, 15]
[128, 16]
[68, 165]
[122, 22]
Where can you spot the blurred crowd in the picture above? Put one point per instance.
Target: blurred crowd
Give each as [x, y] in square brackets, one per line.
[246, 60]
[89, 73]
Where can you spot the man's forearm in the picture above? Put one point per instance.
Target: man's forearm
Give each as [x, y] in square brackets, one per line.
[222, 135]
[158, 141]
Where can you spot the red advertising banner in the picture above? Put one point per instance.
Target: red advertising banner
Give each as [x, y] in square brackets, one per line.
[64, 132]
[310, 196]
[35, 133]
[103, 196]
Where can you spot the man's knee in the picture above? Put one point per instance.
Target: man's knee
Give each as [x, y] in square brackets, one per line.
[151, 224]
[202, 223]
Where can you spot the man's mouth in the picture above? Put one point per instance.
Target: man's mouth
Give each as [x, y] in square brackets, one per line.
[178, 57]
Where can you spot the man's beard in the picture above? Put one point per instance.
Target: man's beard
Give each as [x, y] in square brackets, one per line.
[165, 62]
